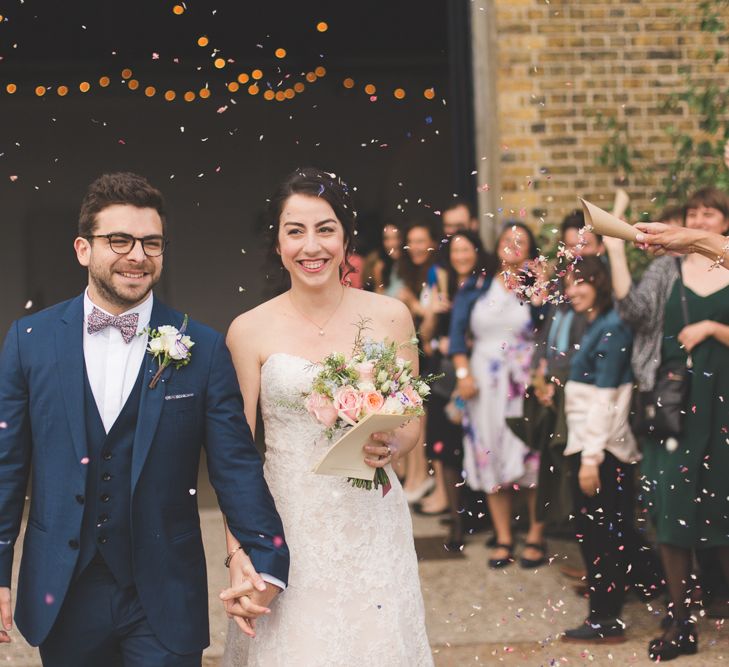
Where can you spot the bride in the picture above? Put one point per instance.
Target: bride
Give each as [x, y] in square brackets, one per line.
[353, 595]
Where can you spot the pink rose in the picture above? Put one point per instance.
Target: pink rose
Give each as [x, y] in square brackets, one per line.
[322, 408]
[373, 401]
[366, 370]
[348, 403]
[412, 396]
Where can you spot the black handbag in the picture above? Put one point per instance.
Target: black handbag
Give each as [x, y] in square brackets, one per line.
[661, 411]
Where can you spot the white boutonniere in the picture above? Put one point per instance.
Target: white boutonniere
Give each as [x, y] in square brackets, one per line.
[168, 345]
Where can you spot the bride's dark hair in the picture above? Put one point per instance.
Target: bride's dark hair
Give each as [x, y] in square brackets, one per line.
[314, 183]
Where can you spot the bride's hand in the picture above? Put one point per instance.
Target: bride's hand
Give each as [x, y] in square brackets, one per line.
[379, 449]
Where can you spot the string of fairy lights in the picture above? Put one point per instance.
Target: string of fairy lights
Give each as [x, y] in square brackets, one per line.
[242, 82]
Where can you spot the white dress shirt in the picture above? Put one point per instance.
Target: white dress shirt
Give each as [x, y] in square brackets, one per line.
[112, 365]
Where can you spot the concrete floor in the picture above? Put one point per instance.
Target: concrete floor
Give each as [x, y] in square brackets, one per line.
[478, 616]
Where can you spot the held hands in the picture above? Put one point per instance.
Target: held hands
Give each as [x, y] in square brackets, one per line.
[694, 334]
[248, 596]
[6, 615]
[589, 479]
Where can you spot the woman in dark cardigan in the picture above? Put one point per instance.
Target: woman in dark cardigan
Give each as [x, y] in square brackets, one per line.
[685, 482]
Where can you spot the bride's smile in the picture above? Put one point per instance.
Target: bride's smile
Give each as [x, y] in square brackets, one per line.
[311, 240]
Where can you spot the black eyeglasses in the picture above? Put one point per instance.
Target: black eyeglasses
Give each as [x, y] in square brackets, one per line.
[123, 244]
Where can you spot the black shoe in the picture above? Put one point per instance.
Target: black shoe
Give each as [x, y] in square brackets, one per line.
[610, 631]
[496, 563]
[528, 563]
[455, 541]
[681, 638]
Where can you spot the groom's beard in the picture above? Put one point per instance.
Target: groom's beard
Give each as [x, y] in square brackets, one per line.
[124, 296]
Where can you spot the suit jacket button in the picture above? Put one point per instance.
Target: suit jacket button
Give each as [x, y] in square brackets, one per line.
[80, 499]
[73, 544]
[106, 456]
[105, 498]
[102, 539]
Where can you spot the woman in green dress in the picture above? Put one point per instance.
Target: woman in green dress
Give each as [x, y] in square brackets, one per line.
[686, 482]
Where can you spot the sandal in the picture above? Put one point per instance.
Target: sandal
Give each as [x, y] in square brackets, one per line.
[529, 563]
[496, 563]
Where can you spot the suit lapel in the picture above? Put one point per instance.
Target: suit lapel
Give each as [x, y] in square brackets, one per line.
[70, 356]
[151, 400]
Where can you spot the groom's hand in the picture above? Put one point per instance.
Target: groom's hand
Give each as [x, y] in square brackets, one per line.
[6, 614]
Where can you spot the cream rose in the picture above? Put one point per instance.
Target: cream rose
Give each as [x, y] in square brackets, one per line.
[393, 406]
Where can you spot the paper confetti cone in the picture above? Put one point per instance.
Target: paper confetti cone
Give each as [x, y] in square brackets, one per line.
[606, 224]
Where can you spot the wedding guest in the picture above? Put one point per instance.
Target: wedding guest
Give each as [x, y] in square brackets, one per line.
[467, 260]
[458, 216]
[424, 288]
[601, 452]
[491, 379]
[385, 270]
[695, 517]
[577, 239]
[555, 344]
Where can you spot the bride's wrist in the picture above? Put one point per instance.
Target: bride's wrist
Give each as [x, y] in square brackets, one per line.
[231, 554]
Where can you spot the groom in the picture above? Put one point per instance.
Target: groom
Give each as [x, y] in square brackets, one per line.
[113, 569]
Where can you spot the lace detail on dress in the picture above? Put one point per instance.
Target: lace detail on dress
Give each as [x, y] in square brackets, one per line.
[354, 592]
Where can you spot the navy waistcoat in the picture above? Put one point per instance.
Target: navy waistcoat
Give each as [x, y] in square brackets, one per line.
[106, 526]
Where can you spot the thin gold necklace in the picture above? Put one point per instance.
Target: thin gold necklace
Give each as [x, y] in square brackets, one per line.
[305, 316]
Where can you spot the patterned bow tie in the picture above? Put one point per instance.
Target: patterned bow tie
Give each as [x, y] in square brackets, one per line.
[127, 324]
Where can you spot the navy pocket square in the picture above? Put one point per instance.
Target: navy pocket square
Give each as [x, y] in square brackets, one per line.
[177, 397]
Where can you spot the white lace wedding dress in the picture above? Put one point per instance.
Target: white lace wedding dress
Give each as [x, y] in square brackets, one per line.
[354, 593]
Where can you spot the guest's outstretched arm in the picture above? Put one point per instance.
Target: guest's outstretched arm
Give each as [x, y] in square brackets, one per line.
[659, 239]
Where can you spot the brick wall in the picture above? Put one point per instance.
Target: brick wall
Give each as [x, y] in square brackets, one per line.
[563, 63]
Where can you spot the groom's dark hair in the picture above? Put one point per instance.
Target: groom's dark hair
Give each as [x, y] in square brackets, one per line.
[122, 187]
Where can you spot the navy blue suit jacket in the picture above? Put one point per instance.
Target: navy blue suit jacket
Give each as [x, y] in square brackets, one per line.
[43, 431]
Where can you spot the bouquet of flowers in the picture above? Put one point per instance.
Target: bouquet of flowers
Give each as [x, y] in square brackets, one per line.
[375, 380]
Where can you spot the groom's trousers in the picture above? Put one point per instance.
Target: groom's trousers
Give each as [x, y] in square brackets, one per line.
[102, 624]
